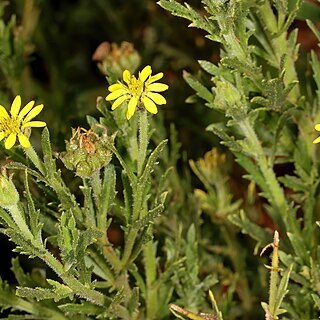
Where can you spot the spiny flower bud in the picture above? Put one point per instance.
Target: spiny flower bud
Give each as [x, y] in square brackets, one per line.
[87, 152]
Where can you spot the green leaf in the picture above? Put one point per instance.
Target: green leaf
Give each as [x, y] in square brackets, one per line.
[49, 162]
[253, 170]
[133, 303]
[247, 227]
[152, 162]
[215, 306]
[294, 183]
[316, 299]
[44, 294]
[128, 197]
[276, 93]
[92, 121]
[88, 206]
[107, 195]
[35, 225]
[227, 140]
[20, 166]
[299, 247]
[248, 69]
[22, 278]
[210, 67]
[8, 298]
[5, 216]
[149, 218]
[24, 246]
[86, 238]
[315, 64]
[84, 308]
[200, 89]
[188, 13]
[192, 255]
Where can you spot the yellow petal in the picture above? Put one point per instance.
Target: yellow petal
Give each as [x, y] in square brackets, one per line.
[119, 101]
[154, 78]
[25, 110]
[10, 141]
[24, 141]
[145, 73]
[2, 135]
[157, 98]
[157, 87]
[317, 127]
[132, 107]
[126, 76]
[33, 113]
[116, 94]
[150, 105]
[15, 107]
[3, 113]
[35, 124]
[317, 140]
[115, 87]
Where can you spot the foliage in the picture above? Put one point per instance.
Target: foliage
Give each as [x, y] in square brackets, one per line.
[121, 223]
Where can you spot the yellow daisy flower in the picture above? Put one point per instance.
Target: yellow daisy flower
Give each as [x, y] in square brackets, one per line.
[317, 127]
[17, 122]
[143, 89]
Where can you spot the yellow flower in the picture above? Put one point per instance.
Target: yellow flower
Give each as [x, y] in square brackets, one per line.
[317, 127]
[16, 123]
[138, 90]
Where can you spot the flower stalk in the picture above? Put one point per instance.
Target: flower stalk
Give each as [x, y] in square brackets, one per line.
[143, 140]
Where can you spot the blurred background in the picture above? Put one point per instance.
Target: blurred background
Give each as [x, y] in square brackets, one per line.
[59, 39]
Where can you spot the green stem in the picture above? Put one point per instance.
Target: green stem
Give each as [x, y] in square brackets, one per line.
[274, 275]
[18, 218]
[137, 187]
[151, 274]
[143, 139]
[190, 315]
[101, 219]
[76, 286]
[89, 209]
[277, 195]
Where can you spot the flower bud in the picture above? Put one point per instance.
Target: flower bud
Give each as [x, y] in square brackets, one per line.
[9, 195]
[226, 95]
[86, 152]
[114, 59]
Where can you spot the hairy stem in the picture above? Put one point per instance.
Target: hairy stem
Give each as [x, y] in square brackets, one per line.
[143, 139]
